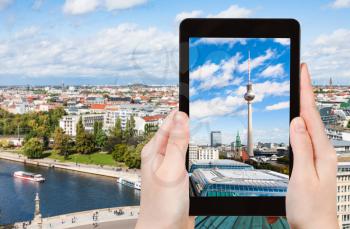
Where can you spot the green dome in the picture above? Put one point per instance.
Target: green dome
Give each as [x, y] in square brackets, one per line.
[239, 222]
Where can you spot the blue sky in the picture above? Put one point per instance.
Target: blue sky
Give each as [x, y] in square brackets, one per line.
[218, 78]
[136, 41]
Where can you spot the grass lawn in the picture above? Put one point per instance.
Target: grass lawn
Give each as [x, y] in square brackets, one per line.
[95, 158]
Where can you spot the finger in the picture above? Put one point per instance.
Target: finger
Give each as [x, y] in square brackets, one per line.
[157, 144]
[175, 155]
[303, 158]
[271, 219]
[309, 112]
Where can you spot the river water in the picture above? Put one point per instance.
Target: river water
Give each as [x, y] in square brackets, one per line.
[62, 192]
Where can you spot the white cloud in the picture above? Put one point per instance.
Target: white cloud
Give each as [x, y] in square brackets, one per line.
[123, 4]
[215, 107]
[213, 75]
[234, 11]
[337, 4]
[282, 41]
[273, 71]
[220, 41]
[5, 3]
[183, 15]
[267, 88]
[37, 4]
[145, 53]
[328, 56]
[233, 104]
[76, 7]
[257, 61]
[278, 106]
[27, 32]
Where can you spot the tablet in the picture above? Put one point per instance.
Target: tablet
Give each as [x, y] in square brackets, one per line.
[239, 84]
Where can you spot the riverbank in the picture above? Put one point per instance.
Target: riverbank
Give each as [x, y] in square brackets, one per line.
[113, 217]
[108, 171]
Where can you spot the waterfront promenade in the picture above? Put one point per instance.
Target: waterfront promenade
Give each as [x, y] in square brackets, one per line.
[100, 218]
[130, 175]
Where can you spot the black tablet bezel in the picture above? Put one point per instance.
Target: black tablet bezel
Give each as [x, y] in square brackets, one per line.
[244, 28]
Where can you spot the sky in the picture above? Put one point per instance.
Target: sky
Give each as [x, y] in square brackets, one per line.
[136, 41]
[218, 79]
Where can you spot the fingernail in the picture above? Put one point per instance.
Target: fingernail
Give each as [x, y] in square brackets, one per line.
[178, 118]
[300, 125]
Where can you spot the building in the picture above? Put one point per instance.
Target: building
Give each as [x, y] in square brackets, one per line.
[69, 124]
[111, 117]
[238, 182]
[90, 119]
[148, 123]
[215, 138]
[220, 164]
[343, 194]
[208, 153]
[192, 152]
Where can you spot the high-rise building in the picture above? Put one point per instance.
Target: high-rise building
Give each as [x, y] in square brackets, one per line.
[215, 138]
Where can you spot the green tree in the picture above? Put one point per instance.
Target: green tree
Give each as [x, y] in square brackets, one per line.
[117, 129]
[84, 142]
[99, 135]
[119, 152]
[348, 126]
[129, 132]
[33, 148]
[62, 142]
[111, 142]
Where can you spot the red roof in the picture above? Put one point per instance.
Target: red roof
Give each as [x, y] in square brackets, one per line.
[98, 106]
[245, 156]
[153, 118]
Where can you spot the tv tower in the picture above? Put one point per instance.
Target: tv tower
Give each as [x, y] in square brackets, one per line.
[249, 97]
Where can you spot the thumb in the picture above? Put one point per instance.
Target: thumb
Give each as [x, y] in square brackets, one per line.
[302, 147]
[173, 165]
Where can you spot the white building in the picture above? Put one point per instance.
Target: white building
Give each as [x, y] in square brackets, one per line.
[141, 122]
[192, 152]
[111, 117]
[343, 194]
[69, 124]
[90, 119]
[208, 153]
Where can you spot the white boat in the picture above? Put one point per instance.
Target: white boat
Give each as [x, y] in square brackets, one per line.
[132, 184]
[29, 176]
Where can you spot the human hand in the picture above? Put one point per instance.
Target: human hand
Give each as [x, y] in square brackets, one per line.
[165, 182]
[311, 196]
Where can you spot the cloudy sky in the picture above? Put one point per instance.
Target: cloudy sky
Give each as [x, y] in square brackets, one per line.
[218, 78]
[119, 42]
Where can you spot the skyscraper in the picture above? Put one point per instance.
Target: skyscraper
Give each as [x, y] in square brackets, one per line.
[215, 138]
[249, 96]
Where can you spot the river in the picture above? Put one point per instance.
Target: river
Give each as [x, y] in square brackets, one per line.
[62, 192]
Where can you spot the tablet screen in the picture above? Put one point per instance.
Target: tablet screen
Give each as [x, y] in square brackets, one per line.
[239, 116]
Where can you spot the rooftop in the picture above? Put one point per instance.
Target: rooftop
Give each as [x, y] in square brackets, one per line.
[243, 177]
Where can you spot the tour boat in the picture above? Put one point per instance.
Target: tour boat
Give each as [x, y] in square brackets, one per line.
[132, 184]
[29, 176]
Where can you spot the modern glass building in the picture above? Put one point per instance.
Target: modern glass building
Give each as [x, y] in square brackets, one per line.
[241, 182]
[215, 138]
[219, 164]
